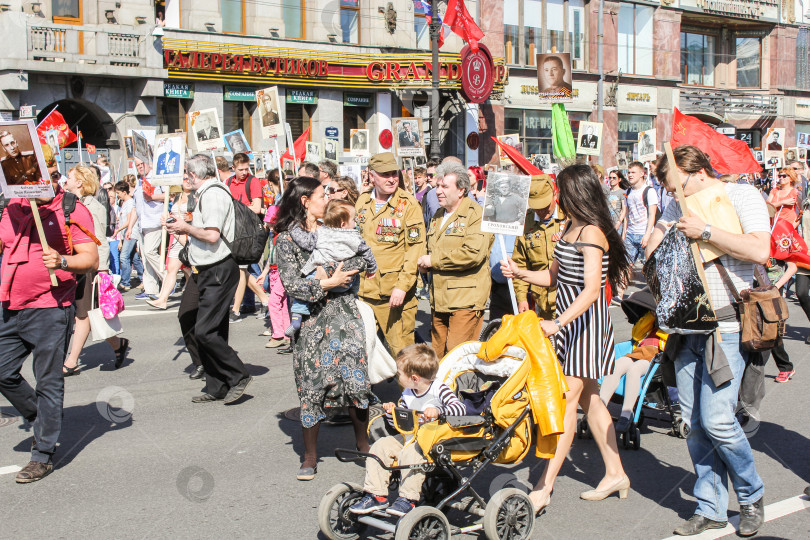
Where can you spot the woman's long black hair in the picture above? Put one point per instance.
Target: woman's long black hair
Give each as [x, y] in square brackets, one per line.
[581, 196]
[290, 210]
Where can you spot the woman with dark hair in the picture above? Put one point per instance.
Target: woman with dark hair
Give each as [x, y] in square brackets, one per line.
[329, 352]
[589, 254]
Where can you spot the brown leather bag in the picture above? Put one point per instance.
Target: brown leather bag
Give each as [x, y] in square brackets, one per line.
[762, 313]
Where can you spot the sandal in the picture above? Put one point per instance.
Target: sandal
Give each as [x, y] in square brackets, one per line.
[71, 371]
[121, 353]
[307, 473]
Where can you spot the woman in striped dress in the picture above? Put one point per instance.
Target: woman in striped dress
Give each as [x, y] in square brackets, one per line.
[590, 253]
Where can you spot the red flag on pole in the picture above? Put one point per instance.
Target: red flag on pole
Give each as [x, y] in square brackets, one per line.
[300, 147]
[459, 20]
[729, 156]
[91, 148]
[518, 159]
[56, 121]
[787, 245]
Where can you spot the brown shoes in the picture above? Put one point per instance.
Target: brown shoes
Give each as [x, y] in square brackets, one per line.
[34, 471]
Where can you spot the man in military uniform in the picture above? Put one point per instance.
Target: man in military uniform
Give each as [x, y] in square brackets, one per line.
[19, 168]
[390, 220]
[534, 250]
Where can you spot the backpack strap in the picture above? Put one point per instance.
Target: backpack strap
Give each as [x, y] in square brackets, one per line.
[727, 280]
[69, 201]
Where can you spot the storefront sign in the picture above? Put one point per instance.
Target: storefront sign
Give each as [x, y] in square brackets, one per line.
[331, 132]
[477, 74]
[239, 93]
[637, 99]
[356, 100]
[178, 90]
[305, 97]
[226, 62]
[743, 9]
[803, 107]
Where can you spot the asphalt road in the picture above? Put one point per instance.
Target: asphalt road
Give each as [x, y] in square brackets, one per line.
[138, 460]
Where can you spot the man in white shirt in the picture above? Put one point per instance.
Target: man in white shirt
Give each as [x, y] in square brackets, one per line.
[214, 277]
[642, 203]
[150, 209]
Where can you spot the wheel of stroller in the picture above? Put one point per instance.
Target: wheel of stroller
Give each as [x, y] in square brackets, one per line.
[509, 515]
[635, 437]
[641, 419]
[491, 327]
[423, 523]
[625, 440]
[583, 431]
[683, 429]
[334, 518]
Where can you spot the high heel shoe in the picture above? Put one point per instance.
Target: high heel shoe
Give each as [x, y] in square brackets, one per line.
[622, 486]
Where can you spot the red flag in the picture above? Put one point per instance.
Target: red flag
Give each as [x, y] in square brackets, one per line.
[517, 158]
[91, 148]
[729, 156]
[300, 147]
[56, 121]
[459, 20]
[787, 245]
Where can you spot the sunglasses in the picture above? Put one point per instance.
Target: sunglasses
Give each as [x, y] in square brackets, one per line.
[56, 175]
[329, 191]
[782, 175]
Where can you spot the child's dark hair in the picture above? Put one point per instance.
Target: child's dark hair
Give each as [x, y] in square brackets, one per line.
[419, 359]
[338, 212]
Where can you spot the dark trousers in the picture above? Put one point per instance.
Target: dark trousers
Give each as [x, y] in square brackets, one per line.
[216, 286]
[187, 316]
[500, 301]
[803, 293]
[45, 333]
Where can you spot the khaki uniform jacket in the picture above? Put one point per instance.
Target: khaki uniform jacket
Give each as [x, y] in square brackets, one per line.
[459, 255]
[534, 250]
[396, 236]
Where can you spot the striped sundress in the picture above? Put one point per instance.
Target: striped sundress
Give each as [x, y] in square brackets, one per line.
[585, 345]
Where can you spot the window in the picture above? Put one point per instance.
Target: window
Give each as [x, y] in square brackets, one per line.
[697, 59]
[233, 16]
[544, 26]
[350, 20]
[299, 117]
[636, 39]
[749, 51]
[293, 13]
[171, 114]
[629, 126]
[533, 29]
[67, 11]
[534, 128]
[420, 26]
[353, 118]
[803, 59]
[236, 115]
[511, 23]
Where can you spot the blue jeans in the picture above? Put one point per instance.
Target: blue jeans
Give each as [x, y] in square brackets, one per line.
[114, 257]
[632, 245]
[126, 265]
[717, 444]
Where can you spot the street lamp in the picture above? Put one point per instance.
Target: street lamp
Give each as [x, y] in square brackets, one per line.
[435, 31]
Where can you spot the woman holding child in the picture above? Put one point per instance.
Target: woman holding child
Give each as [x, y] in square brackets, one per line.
[329, 356]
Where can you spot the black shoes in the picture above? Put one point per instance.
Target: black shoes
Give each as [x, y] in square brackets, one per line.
[197, 373]
[121, 353]
[752, 516]
[697, 524]
[34, 471]
[236, 391]
[286, 350]
[623, 424]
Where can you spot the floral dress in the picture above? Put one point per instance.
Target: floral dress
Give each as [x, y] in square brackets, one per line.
[329, 357]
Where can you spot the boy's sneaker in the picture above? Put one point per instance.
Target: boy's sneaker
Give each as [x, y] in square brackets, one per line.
[234, 317]
[400, 507]
[368, 504]
[784, 376]
[145, 296]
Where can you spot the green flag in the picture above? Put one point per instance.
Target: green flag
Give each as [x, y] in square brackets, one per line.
[561, 137]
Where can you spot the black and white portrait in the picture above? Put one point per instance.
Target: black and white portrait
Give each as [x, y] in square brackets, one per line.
[235, 142]
[646, 145]
[505, 204]
[206, 130]
[359, 142]
[269, 112]
[590, 138]
[330, 147]
[408, 137]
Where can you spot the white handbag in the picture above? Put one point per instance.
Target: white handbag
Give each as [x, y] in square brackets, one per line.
[102, 328]
[381, 365]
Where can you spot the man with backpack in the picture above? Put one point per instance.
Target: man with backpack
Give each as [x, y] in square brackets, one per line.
[215, 273]
[642, 212]
[246, 189]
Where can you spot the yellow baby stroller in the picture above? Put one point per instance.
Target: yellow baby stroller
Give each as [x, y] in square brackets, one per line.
[517, 384]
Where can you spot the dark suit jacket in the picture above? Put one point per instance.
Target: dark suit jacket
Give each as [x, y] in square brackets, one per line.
[404, 141]
[270, 118]
[213, 133]
[773, 145]
[588, 142]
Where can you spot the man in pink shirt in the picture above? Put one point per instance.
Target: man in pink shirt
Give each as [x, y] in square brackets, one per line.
[37, 318]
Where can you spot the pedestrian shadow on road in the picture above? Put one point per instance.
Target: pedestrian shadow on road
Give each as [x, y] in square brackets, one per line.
[784, 445]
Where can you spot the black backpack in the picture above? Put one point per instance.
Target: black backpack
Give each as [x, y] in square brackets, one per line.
[249, 234]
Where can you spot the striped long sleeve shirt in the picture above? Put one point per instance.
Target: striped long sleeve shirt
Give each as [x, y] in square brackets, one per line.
[438, 395]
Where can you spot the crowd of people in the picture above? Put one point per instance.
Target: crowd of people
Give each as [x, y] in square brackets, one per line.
[393, 238]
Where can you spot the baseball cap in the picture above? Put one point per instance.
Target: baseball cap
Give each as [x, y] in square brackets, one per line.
[541, 192]
[383, 162]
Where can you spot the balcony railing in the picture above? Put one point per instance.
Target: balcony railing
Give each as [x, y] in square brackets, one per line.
[61, 43]
[725, 101]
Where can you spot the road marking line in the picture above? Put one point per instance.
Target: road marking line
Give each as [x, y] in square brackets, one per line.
[772, 511]
[10, 469]
[136, 313]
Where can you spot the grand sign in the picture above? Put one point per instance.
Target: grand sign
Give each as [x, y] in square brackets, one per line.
[744, 9]
[298, 67]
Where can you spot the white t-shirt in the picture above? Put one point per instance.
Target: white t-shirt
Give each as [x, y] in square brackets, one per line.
[123, 216]
[637, 211]
[149, 212]
[753, 214]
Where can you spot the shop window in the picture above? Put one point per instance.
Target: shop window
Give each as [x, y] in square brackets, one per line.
[420, 25]
[236, 115]
[233, 16]
[635, 43]
[748, 53]
[350, 20]
[511, 24]
[294, 18]
[171, 114]
[629, 126]
[299, 117]
[67, 11]
[803, 59]
[353, 118]
[534, 128]
[553, 32]
[697, 59]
